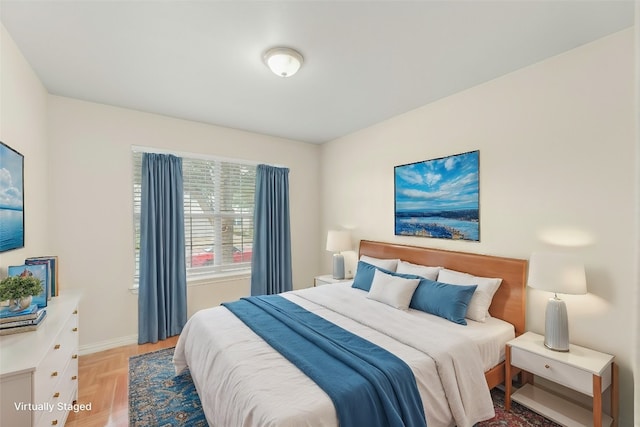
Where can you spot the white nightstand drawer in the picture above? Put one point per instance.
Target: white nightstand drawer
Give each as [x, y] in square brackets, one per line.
[553, 370]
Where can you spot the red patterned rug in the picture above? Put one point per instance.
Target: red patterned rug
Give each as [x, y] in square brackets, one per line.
[519, 416]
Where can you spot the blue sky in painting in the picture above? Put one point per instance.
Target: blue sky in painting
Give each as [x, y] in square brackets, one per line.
[450, 183]
[10, 179]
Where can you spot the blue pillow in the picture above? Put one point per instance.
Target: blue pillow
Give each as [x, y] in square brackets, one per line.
[365, 272]
[441, 299]
[447, 301]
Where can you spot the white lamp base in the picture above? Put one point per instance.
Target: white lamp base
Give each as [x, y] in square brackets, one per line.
[556, 325]
[338, 266]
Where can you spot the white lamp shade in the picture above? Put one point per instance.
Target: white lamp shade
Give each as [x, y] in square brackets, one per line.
[283, 61]
[557, 272]
[338, 241]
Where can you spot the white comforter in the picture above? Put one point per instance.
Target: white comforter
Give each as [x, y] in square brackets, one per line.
[242, 381]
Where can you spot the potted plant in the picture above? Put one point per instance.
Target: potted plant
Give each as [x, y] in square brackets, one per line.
[19, 290]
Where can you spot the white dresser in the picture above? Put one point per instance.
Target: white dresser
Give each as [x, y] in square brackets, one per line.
[39, 369]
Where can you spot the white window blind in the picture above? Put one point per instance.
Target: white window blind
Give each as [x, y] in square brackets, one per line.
[218, 215]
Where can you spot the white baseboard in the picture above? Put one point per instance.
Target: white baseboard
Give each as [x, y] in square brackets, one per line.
[108, 344]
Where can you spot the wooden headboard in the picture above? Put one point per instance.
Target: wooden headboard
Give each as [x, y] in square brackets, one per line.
[509, 301]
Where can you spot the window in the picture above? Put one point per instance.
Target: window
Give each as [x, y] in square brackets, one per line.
[218, 215]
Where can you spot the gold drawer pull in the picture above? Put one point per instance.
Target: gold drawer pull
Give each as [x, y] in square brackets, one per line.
[54, 374]
[56, 347]
[75, 377]
[75, 329]
[75, 311]
[547, 366]
[56, 394]
[75, 356]
[54, 422]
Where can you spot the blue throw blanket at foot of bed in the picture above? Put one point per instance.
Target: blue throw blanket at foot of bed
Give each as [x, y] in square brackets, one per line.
[368, 385]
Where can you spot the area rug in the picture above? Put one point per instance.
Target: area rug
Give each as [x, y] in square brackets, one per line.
[519, 416]
[158, 397]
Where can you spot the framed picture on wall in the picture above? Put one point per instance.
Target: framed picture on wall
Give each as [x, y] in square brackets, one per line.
[11, 198]
[439, 198]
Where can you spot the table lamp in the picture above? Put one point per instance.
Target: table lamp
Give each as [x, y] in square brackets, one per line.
[338, 241]
[561, 274]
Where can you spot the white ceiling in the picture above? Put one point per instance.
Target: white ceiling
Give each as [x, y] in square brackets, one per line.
[365, 61]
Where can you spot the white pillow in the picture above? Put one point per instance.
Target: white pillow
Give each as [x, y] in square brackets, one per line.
[387, 264]
[392, 290]
[427, 272]
[481, 300]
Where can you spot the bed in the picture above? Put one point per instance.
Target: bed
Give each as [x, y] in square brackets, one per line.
[243, 381]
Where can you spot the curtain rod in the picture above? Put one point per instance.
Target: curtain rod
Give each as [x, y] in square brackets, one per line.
[143, 149]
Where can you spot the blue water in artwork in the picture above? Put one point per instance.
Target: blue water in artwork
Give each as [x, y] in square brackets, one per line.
[11, 229]
[438, 227]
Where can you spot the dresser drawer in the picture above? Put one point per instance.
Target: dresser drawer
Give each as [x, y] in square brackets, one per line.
[68, 384]
[65, 389]
[59, 356]
[558, 372]
[61, 396]
[57, 417]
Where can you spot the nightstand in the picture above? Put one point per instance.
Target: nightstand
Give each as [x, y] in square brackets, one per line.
[326, 279]
[586, 371]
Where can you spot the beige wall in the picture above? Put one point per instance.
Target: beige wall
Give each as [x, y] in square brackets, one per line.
[91, 170]
[557, 166]
[23, 112]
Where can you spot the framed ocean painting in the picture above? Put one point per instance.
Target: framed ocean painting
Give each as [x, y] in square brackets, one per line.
[11, 198]
[439, 198]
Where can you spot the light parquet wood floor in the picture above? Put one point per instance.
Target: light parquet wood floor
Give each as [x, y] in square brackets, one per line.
[104, 382]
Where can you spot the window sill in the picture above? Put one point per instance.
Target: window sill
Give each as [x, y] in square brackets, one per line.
[218, 278]
[210, 279]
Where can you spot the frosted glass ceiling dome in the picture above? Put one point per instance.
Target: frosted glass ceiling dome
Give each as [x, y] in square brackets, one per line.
[283, 61]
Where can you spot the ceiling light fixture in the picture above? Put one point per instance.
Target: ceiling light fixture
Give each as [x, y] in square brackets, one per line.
[283, 61]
